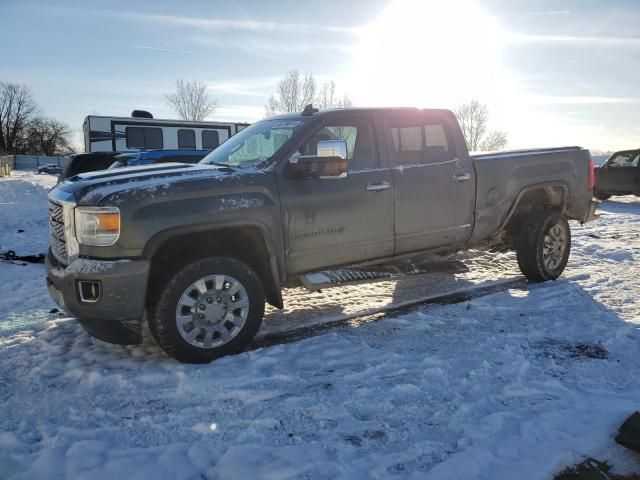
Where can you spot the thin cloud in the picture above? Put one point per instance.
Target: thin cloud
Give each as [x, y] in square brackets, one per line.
[239, 113]
[228, 24]
[575, 40]
[259, 87]
[158, 49]
[548, 13]
[578, 99]
[270, 48]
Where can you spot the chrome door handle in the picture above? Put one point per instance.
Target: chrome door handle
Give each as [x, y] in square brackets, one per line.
[461, 177]
[376, 187]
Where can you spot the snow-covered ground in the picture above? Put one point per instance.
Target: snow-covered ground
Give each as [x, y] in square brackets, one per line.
[516, 384]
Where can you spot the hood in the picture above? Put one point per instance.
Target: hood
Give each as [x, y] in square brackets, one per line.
[93, 187]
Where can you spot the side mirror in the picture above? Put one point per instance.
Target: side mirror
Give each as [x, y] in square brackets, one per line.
[329, 162]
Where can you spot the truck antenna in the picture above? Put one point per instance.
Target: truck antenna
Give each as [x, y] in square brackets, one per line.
[309, 110]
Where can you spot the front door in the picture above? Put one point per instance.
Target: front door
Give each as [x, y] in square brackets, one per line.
[435, 187]
[339, 221]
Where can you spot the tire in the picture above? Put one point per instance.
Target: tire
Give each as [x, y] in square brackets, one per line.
[543, 246]
[202, 297]
[601, 195]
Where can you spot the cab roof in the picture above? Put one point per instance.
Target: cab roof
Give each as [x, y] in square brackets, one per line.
[346, 111]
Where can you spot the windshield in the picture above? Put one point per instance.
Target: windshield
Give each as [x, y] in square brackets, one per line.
[255, 145]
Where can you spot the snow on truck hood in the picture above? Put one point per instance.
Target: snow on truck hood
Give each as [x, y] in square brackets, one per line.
[90, 188]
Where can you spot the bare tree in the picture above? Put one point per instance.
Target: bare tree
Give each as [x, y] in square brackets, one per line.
[494, 140]
[474, 117]
[292, 94]
[295, 91]
[327, 97]
[17, 109]
[46, 136]
[191, 101]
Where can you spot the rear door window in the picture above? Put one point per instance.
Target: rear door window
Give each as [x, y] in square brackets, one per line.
[437, 147]
[407, 142]
[416, 140]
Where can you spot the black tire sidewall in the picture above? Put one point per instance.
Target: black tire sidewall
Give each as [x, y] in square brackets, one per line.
[530, 245]
[162, 321]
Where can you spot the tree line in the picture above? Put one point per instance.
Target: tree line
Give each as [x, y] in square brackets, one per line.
[192, 101]
[24, 129]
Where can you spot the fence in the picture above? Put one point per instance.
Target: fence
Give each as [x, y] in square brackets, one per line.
[27, 162]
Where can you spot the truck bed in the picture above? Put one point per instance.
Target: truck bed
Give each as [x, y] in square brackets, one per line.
[502, 177]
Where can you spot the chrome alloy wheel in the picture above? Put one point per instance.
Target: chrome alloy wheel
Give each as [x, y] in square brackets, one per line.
[212, 311]
[554, 247]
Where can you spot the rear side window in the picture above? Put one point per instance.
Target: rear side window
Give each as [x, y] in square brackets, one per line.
[144, 137]
[408, 144]
[436, 145]
[418, 141]
[186, 139]
[210, 139]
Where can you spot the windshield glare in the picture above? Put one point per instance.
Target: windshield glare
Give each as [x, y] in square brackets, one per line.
[255, 145]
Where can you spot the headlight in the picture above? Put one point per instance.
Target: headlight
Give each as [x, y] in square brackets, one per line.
[97, 225]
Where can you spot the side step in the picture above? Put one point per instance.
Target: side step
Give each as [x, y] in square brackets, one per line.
[352, 275]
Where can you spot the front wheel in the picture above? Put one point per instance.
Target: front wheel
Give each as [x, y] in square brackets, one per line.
[601, 195]
[543, 246]
[210, 308]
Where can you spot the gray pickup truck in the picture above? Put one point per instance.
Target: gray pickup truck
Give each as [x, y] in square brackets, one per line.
[198, 249]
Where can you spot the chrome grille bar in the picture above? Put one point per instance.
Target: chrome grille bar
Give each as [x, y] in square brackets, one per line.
[64, 245]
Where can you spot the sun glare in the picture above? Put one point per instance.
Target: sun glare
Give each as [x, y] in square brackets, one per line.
[429, 54]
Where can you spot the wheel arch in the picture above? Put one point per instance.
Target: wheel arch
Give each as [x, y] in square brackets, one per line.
[250, 243]
[548, 195]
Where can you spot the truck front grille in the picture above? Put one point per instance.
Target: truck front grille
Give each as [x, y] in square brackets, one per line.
[56, 227]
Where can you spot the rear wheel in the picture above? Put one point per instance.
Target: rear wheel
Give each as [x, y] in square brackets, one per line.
[543, 246]
[210, 308]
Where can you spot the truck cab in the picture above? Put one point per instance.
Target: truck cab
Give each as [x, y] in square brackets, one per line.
[375, 204]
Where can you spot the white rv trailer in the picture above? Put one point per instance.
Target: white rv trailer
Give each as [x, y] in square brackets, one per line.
[143, 132]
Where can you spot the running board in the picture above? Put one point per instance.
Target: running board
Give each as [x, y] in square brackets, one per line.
[352, 276]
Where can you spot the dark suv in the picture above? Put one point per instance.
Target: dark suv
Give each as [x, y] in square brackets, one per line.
[619, 175]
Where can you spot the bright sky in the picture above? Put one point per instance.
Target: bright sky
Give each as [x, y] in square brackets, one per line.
[552, 72]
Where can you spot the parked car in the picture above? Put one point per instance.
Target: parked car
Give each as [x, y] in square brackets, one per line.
[198, 249]
[619, 175]
[158, 156]
[51, 169]
[86, 162]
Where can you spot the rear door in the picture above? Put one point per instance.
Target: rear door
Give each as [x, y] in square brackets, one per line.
[620, 173]
[435, 186]
[338, 221]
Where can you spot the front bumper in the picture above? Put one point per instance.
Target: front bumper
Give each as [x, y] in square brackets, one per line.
[116, 315]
